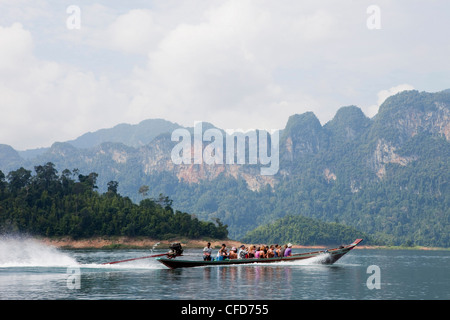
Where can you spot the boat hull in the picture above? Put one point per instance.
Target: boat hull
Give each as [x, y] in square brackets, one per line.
[329, 256]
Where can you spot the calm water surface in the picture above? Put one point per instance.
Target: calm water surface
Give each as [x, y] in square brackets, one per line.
[31, 271]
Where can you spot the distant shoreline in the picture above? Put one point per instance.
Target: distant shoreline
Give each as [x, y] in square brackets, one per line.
[129, 243]
[147, 243]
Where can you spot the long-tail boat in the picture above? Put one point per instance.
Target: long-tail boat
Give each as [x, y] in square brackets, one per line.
[328, 256]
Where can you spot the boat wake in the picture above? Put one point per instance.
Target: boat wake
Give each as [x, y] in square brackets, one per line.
[18, 251]
[149, 264]
[21, 251]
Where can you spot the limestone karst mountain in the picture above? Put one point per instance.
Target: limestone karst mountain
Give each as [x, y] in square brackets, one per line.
[387, 176]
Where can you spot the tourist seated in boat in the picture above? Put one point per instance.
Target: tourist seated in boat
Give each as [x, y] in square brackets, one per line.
[207, 252]
[242, 254]
[251, 252]
[282, 250]
[288, 251]
[257, 251]
[233, 253]
[222, 253]
[271, 252]
[277, 250]
[262, 253]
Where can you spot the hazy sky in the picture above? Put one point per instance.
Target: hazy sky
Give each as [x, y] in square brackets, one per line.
[237, 64]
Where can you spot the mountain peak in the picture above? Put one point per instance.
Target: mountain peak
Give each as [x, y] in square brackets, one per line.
[62, 149]
[409, 113]
[413, 100]
[303, 135]
[302, 122]
[9, 156]
[348, 123]
[350, 114]
[134, 135]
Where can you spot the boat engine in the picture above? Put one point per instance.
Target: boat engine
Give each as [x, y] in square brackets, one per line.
[175, 250]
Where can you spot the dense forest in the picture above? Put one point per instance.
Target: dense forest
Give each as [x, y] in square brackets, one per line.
[48, 204]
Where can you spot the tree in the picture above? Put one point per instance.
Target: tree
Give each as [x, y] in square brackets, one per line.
[3, 183]
[66, 181]
[89, 181]
[164, 201]
[143, 191]
[112, 187]
[19, 179]
[46, 176]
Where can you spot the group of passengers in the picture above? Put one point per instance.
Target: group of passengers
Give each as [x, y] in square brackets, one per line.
[251, 252]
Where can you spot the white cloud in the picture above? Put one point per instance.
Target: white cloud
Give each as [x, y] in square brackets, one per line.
[43, 101]
[221, 67]
[134, 32]
[15, 44]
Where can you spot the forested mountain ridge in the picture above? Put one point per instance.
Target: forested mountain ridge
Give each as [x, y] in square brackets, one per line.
[386, 176]
[131, 135]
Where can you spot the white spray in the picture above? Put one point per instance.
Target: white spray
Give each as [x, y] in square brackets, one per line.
[20, 251]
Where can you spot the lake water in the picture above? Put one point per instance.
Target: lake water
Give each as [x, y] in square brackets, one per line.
[30, 270]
